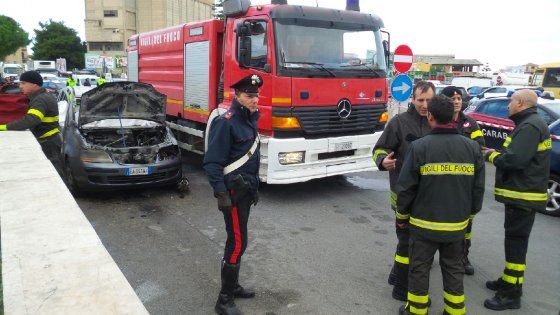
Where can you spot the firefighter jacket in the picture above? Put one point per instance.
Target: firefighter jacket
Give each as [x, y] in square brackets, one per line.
[441, 185]
[399, 132]
[231, 136]
[41, 117]
[523, 163]
[101, 81]
[468, 127]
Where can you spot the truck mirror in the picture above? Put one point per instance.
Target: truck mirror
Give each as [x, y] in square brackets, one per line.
[267, 68]
[235, 7]
[244, 51]
[386, 52]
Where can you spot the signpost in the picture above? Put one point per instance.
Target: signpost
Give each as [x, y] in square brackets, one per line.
[401, 88]
[403, 58]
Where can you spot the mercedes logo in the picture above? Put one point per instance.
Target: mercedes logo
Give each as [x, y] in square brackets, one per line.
[344, 108]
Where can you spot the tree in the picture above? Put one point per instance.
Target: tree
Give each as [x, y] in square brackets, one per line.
[12, 36]
[56, 40]
[219, 10]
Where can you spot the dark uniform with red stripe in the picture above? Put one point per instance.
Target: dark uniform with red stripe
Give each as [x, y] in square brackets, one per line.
[440, 186]
[42, 120]
[522, 172]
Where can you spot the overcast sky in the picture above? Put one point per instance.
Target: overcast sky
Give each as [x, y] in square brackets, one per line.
[500, 33]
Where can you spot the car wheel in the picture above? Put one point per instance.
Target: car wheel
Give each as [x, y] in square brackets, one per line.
[553, 204]
[69, 179]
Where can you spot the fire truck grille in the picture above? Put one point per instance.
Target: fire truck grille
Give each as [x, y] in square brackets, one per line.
[324, 121]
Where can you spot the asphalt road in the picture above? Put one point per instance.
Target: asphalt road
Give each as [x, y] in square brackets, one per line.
[321, 247]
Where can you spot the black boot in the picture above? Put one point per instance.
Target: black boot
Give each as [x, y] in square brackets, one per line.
[225, 304]
[239, 291]
[469, 269]
[505, 299]
[495, 285]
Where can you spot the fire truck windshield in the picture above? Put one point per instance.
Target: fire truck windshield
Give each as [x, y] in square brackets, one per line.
[334, 52]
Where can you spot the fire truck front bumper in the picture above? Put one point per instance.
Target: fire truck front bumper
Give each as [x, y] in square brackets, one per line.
[285, 161]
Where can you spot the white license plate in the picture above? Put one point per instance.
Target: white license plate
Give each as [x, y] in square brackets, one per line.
[138, 171]
[343, 146]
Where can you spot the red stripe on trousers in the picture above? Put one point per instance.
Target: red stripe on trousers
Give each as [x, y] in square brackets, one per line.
[237, 234]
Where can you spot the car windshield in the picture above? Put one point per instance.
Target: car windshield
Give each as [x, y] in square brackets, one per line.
[8, 70]
[316, 50]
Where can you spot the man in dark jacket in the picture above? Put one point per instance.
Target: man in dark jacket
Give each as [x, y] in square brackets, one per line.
[388, 154]
[440, 186]
[467, 127]
[232, 165]
[41, 117]
[522, 172]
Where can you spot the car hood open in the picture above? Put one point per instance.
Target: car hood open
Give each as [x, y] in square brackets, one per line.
[125, 100]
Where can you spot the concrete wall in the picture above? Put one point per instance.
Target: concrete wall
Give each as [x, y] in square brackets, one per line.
[53, 262]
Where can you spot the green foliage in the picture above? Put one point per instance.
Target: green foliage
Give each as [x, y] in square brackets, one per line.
[219, 10]
[12, 36]
[56, 40]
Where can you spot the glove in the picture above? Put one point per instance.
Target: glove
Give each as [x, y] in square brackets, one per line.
[3, 128]
[401, 223]
[224, 201]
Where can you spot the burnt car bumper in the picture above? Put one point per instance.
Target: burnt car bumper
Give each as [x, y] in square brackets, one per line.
[108, 176]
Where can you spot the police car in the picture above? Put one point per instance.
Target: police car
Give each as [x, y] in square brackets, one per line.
[492, 116]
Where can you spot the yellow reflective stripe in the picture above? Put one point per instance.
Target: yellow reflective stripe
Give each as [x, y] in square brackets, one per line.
[516, 267]
[49, 133]
[3, 127]
[402, 216]
[378, 152]
[447, 169]
[507, 142]
[457, 299]
[492, 156]
[417, 310]
[477, 133]
[545, 145]
[512, 280]
[468, 236]
[401, 259]
[439, 226]
[471, 217]
[50, 119]
[393, 197]
[36, 113]
[422, 299]
[455, 311]
[521, 195]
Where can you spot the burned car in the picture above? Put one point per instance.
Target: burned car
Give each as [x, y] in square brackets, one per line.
[118, 138]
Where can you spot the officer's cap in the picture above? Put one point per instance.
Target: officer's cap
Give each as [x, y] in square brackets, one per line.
[451, 91]
[249, 84]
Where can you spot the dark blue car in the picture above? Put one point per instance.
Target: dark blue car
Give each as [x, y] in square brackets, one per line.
[553, 207]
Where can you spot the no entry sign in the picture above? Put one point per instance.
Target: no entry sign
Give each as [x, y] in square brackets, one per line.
[402, 59]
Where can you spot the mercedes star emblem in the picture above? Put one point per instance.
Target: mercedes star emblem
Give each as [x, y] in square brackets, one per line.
[344, 108]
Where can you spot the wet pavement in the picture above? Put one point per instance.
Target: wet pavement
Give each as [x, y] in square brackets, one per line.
[320, 247]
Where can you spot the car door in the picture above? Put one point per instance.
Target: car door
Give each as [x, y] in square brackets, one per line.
[492, 116]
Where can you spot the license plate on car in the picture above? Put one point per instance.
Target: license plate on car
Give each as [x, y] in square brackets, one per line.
[138, 171]
[343, 146]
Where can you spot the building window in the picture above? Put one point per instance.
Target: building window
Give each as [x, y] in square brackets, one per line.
[110, 13]
[95, 46]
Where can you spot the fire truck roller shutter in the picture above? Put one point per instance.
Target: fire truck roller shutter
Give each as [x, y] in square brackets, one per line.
[133, 65]
[197, 75]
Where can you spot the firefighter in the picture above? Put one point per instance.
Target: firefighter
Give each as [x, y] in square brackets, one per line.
[41, 117]
[231, 163]
[388, 154]
[70, 81]
[468, 127]
[441, 185]
[101, 80]
[522, 172]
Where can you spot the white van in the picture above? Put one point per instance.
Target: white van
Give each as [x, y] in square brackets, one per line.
[467, 82]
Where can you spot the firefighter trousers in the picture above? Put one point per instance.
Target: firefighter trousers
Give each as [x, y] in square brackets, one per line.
[518, 224]
[422, 253]
[399, 272]
[51, 147]
[468, 238]
[236, 219]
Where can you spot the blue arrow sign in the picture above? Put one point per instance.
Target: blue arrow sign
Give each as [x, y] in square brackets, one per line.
[401, 88]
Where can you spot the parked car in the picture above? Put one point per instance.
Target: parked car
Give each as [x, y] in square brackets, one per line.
[13, 104]
[476, 90]
[117, 138]
[464, 94]
[492, 116]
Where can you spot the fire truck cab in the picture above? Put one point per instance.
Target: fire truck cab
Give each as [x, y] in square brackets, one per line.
[323, 102]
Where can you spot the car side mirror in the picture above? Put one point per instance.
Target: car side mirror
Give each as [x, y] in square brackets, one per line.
[244, 51]
[480, 96]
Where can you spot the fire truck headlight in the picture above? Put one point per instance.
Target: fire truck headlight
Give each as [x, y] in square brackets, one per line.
[291, 157]
[285, 122]
[384, 117]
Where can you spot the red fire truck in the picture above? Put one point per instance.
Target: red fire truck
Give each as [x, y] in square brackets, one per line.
[323, 102]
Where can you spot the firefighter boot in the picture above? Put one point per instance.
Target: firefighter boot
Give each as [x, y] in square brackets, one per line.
[225, 304]
[508, 297]
[239, 291]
